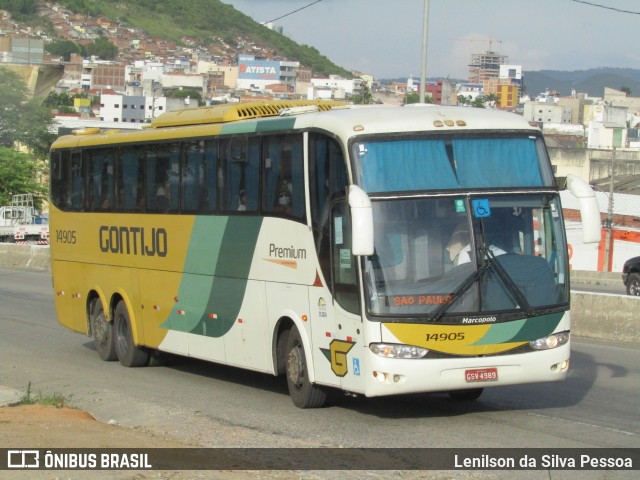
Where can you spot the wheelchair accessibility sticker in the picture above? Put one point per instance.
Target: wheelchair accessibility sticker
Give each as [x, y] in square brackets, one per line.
[356, 367]
[481, 208]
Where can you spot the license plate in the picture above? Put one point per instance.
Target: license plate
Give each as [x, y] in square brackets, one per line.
[481, 375]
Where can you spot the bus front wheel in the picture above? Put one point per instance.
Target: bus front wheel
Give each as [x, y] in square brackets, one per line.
[128, 353]
[303, 393]
[102, 332]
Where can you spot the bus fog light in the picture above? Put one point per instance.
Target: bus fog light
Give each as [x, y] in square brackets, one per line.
[551, 341]
[393, 350]
[560, 367]
[380, 376]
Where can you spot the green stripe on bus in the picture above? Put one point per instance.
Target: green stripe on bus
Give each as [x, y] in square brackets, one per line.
[222, 247]
[271, 125]
[232, 270]
[276, 124]
[538, 327]
[521, 330]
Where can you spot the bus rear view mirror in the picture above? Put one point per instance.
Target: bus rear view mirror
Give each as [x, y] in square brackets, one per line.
[361, 221]
[589, 210]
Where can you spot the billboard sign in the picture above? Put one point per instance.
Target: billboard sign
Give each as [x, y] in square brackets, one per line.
[259, 70]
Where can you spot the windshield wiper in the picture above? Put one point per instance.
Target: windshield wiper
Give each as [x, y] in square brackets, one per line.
[506, 280]
[488, 262]
[457, 294]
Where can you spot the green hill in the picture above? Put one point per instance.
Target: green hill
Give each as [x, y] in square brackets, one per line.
[208, 20]
[590, 81]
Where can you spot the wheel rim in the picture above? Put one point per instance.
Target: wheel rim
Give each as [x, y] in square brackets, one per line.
[122, 334]
[295, 366]
[635, 288]
[101, 328]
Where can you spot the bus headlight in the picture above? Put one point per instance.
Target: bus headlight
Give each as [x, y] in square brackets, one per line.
[551, 341]
[393, 350]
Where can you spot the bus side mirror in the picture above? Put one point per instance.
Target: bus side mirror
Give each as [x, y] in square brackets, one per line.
[361, 221]
[589, 210]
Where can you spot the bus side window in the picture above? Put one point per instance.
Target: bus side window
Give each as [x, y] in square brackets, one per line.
[192, 172]
[273, 165]
[163, 163]
[241, 174]
[328, 180]
[345, 273]
[283, 187]
[77, 182]
[298, 208]
[60, 163]
[211, 177]
[100, 180]
[130, 175]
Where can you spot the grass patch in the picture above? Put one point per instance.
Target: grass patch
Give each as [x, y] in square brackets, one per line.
[53, 399]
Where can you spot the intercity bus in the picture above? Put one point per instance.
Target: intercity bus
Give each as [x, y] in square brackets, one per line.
[377, 250]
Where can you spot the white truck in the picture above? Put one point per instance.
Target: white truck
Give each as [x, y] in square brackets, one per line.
[19, 222]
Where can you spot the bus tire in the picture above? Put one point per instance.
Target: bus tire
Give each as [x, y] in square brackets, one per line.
[468, 395]
[303, 393]
[128, 353]
[102, 332]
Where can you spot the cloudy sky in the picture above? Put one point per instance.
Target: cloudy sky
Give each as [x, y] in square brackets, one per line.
[384, 37]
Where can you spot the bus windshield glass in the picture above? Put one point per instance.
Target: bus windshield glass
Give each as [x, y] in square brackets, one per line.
[418, 164]
[447, 256]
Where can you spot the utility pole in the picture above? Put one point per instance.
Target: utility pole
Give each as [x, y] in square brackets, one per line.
[609, 220]
[425, 32]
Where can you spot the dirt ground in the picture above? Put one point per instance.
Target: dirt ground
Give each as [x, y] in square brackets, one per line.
[37, 426]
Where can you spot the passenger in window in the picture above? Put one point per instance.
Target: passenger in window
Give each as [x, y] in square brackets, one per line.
[162, 195]
[284, 198]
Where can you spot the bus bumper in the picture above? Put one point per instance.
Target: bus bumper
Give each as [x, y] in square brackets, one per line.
[388, 376]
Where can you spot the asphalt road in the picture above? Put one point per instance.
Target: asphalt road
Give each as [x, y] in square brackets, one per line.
[597, 406]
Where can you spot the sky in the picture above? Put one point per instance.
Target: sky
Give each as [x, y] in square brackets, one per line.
[384, 37]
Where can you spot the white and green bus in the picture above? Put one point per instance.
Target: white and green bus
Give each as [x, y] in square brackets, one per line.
[375, 250]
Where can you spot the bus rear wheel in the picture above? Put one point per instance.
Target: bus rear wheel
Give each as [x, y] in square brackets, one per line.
[102, 332]
[303, 393]
[128, 353]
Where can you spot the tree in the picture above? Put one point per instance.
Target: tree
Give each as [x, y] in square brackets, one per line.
[414, 97]
[491, 100]
[464, 100]
[12, 95]
[364, 97]
[103, 48]
[186, 93]
[626, 90]
[22, 121]
[21, 173]
[478, 102]
[33, 128]
[63, 48]
[20, 9]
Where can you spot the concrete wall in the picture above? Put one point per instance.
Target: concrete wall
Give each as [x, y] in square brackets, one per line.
[27, 257]
[606, 317]
[597, 316]
[593, 164]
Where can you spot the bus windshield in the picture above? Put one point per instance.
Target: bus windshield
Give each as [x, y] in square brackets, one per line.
[414, 163]
[441, 257]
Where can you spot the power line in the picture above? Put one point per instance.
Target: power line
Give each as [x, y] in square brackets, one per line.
[606, 7]
[291, 13]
